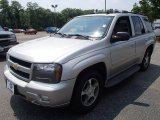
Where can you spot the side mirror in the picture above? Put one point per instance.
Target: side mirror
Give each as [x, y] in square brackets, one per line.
[120, 36]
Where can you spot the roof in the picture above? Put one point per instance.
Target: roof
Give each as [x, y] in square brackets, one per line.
[113, 14]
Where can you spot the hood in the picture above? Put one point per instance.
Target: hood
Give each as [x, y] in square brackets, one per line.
[49, 49]
[5, 33]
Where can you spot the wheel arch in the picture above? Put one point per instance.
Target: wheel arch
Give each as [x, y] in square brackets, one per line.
[150, 47]
[99, 67]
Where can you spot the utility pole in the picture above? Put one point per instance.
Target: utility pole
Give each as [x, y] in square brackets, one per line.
[55, 6]
[105, 7]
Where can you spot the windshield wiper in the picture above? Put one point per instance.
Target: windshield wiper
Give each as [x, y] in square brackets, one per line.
[69, 35]
[58, 33]
[79, 35]
[62, 34]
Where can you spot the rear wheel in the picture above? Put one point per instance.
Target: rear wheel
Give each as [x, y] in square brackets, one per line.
[146, 60]
[87, 92]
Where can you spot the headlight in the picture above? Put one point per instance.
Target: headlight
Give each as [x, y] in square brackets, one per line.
[13, 36]
[47, 73]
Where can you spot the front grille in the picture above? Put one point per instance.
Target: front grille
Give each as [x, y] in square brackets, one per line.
[4, 43]
[22, 74]
[4, 36]
[19, 68]
[20, 62]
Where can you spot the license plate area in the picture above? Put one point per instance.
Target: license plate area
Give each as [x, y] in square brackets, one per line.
[11, 86]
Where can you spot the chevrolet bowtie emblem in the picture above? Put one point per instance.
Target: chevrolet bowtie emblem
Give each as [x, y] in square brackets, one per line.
[15, 66]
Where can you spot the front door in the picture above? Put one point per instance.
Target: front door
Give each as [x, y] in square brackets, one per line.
[122, 52]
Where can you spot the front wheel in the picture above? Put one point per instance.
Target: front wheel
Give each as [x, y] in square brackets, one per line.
[146, 60]
[87, 92]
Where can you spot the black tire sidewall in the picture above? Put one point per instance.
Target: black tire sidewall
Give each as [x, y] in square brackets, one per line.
[143, 68]
[76, 103]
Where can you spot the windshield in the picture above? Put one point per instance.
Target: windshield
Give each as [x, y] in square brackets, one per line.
[91, 26]
[1, 29]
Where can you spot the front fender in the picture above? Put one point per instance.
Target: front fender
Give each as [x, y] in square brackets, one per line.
[72, 68]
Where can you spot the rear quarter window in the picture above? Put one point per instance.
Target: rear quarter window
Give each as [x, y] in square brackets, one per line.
[138, 25]
[148, 25]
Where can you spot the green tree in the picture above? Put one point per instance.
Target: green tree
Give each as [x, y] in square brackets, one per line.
[155, 5]
[146, 8]
[149, 8]
[25, 19]
[70, 13]
[4, 6]
[15, 9]
[31, 11]
[136, 9]
[15, 16]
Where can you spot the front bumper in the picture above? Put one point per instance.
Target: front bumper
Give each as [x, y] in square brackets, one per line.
[43, 94]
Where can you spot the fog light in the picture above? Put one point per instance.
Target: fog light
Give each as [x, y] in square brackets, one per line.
[44, 98]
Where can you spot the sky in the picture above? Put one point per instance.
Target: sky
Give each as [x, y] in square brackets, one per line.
[84, 4]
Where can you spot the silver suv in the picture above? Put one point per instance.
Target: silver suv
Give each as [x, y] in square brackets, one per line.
[72, 66]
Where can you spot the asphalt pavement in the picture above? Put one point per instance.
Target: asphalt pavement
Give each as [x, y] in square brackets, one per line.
[136, 98]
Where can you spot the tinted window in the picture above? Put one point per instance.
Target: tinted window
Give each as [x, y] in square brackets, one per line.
[142, 26]
[123, 25]
[138, 25]
[148, 24]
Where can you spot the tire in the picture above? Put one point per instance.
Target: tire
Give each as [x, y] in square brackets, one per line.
[146, 60]
[87, 91]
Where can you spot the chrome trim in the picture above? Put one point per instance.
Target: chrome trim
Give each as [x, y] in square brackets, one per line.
[31, 71]
[21, 68]
[18, 76]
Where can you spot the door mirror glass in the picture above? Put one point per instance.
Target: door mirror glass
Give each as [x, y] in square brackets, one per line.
[120, 36]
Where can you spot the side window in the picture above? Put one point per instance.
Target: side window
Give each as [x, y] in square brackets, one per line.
[123, 25]
[142, 26]
[138, 25]
[148, 25]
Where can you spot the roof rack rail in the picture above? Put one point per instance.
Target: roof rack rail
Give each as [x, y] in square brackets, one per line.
[109, 11]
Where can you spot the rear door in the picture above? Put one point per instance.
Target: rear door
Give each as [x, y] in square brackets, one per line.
[140, 36]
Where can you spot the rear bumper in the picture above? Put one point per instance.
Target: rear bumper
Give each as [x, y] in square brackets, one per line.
[53, 95]
[5, 48]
